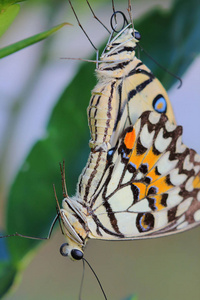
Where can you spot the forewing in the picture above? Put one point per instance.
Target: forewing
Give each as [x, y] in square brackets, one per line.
[138, 91]
[151, 185]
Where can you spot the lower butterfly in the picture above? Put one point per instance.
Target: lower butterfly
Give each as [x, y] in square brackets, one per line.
[150, 187]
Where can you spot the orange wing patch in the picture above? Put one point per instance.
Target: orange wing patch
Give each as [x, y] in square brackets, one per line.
[129, 139]
[151, 158]
[136, 159]
[141, 188]
[196, 182]
[152, 174]
[161, 185]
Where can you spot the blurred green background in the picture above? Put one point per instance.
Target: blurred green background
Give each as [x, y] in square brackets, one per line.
[43, 121]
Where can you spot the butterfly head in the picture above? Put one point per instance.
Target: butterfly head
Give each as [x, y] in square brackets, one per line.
[71, 251]
[122, 46]
[127, 36]
[73, 225]
[127, 30]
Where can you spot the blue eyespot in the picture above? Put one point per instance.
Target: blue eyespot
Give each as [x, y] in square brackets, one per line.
[160, 104]
[110, 154]
[145, 222]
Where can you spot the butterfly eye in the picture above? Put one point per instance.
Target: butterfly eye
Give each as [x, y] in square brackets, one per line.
[137, 35]
[76, 254]
[160, 104]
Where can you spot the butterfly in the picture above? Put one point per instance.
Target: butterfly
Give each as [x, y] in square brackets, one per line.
[149, 187]
[126, 88]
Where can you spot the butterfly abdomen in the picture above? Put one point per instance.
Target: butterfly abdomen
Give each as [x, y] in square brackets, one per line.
[102, 112]
[91, 175]
[105, 105]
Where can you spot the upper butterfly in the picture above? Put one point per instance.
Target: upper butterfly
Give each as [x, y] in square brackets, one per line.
[125, 89]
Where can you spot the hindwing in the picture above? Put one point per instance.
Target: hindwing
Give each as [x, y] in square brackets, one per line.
[151, 183]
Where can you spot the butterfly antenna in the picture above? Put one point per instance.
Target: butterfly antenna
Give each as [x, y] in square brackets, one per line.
[51, 227]
[82, 279]
[114, 11]
[166, 70]
[96, 278]
[114, 16]
[64, 187]
[57, 203]
[33, 237]
[59, 216]
[129, 9]
[97, 17]
[81, 26]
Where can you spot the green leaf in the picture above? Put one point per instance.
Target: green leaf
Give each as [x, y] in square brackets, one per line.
[5, 3]
[7, 16]
[171, 38]
[29, 41]
[7, 274]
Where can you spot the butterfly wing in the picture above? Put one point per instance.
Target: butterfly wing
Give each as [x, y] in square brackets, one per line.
[138, 91]
[151, 184]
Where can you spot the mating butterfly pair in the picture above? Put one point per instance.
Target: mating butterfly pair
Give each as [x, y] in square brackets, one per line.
[140, 181]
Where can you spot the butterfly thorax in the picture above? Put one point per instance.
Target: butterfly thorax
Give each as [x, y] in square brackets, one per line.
[74, 222]
[117, 54]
